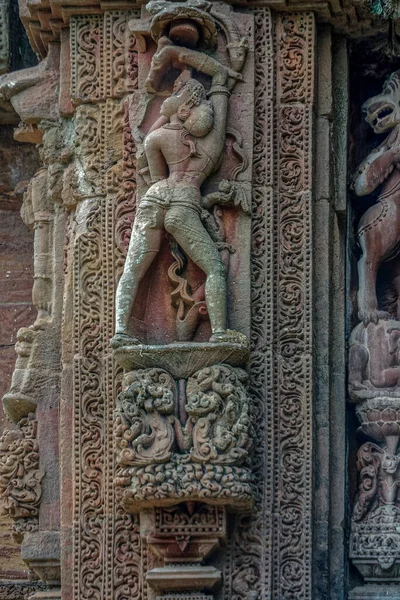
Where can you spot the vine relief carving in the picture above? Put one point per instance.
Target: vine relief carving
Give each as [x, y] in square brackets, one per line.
[21, 475]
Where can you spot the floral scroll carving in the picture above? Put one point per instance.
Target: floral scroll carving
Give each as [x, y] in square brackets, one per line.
[295, 95]
[218, 406]
[144, 425]
[21, 475]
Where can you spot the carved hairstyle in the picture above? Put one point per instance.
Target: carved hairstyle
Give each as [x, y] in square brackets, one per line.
[197, 112]
[392, 83]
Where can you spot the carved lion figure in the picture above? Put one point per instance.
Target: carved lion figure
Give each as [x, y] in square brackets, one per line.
[145, 418]
[219, 409]
[379, 227]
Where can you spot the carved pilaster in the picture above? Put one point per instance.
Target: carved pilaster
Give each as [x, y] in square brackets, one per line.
[294, 375]
[106, 539]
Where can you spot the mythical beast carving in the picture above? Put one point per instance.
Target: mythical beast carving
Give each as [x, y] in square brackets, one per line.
[379, 228]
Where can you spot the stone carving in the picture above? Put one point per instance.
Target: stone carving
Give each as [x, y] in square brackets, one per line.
[191, 444]
[108, 554]
[187, 532]
[183, 147]
[294, 369]
[374, 363]
[4, 36]
[144, 428]
[103, 56]
[218, 406]
[20, 472]
[379, 228]
[21, 590]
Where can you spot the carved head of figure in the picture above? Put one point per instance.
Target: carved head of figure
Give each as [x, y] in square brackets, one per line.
[382, 112]
[189, 103]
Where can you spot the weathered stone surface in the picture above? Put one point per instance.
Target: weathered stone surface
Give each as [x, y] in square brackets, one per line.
[373, 358]
[210, 466]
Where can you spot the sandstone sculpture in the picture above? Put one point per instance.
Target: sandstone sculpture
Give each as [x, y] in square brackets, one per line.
[374, 360]
[182, 148]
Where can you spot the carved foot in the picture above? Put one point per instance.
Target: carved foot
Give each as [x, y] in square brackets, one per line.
[230, 336]
[123, 339]
[361, 385]
[373, 316]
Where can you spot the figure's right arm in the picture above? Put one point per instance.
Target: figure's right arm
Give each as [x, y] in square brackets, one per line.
[374, 170]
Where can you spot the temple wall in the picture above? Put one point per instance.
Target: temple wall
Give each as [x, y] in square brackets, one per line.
[201, 358]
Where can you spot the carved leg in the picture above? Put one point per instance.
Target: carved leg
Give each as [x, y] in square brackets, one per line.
[367, 301]
[143, 247]
[358, 362]
[185, 226]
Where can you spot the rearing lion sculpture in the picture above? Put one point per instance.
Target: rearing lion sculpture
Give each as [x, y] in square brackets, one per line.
[379, 227]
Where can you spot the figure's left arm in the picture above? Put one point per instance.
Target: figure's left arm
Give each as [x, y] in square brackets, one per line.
[157, 165]
[374, 170]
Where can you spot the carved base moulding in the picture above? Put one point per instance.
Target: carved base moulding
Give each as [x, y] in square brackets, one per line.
[375, 592]
[181, 359]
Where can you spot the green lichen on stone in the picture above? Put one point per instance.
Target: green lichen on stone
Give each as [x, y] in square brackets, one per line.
[382, 8]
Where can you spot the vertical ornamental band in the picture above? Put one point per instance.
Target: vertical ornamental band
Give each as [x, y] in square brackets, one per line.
[293, 411]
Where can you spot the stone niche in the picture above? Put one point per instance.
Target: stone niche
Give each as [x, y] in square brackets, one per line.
[373, 343]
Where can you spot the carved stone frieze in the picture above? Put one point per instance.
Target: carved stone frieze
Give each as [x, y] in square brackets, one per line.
[188, 445]
[294, 363]
[20, 590]
[103, 57]
[20, 473]
[100, 525]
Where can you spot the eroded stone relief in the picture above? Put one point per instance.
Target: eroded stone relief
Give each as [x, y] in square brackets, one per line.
[187, 222]
[183, 425]
[374, 350]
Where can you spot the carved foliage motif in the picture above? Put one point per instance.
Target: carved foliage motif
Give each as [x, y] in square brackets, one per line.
[144, 423]
[160, 456]
[219, 410]
[295, 39]
[106, 539]
[20, 473]
[102, 56]
[248, 567]
[126, 197]
[10, 590]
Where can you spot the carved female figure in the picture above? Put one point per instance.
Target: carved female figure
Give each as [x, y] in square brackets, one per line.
[183, 148]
